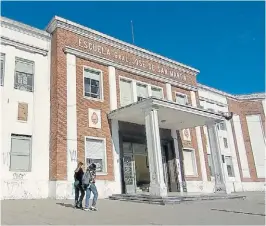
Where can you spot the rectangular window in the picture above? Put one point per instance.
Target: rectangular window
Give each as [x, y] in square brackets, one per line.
[142, 91]
[95, 152]
[225, 142]
[20, 154]
[2, 75]
[92, 83]
[24, 75]
[181, 98]
[229, 166]
[126, 92]
[222, 126]
[211, 167]
[189, 162]
[157, 92]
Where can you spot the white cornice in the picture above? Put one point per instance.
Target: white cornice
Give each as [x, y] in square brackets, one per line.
[212, 101]
[23, 46]
[254, 96]
[23, 28]
[58, 22]
[88, 56]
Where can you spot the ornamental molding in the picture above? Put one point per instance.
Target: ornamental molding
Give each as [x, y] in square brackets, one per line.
[23, 28]
[107, 62]
[254, 96]
[23, 46]
[58, 22]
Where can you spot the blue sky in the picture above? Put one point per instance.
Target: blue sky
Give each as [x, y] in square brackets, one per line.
[224, 40]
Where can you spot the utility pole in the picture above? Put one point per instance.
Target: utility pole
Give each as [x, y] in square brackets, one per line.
[132, 29]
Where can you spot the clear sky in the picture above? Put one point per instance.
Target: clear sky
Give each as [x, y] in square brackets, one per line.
[224, 40]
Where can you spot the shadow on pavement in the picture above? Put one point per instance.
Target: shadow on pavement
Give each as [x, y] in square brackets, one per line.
[65, 205]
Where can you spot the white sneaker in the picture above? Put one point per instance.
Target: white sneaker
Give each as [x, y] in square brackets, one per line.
[87, 209]
[93, 208]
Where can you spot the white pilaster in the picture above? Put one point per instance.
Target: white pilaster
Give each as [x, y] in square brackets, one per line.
[112, 88]
[157, 184]
[116, 155]
[199, 142]
[217, 160]
[169, 92]
[71, 117]
[134, 88]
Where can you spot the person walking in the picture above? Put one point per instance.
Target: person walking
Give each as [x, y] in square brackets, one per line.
[89, 185]
[79, 191]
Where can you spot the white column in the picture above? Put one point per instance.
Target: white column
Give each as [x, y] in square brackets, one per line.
[169, 92]
[157, 184]
[112, 88]
[174, 136]
[217, 160]
[176, 146]
[199, 142]
[134, 88]
[71, 117]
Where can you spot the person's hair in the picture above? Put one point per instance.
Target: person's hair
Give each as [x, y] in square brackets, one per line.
[79, 165]
[92, 166]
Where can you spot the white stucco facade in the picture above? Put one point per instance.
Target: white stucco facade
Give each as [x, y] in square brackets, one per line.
[19, 41]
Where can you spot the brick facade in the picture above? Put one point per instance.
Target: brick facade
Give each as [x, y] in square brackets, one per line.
[244, 108]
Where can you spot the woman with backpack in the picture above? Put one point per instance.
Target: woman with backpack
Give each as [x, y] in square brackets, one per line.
[78, 186]
[89, 186]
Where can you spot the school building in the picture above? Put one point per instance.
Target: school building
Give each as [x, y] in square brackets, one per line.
[71, 94]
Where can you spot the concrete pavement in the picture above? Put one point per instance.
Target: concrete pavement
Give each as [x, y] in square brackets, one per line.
[250, 211]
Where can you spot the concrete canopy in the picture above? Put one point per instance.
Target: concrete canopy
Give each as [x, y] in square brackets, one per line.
[171, 115]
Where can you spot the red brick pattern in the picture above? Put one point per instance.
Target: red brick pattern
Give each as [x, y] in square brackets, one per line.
[244, 108]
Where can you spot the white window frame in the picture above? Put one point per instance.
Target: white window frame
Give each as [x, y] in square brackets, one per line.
[144, 84]
[33, 74]
[157, 87]
[181, 94]
[105, 154]
[194, 162]
[3, 56]
[132, 88]
[21, 136]
[101, 99]
[228, 156]
[225, 138]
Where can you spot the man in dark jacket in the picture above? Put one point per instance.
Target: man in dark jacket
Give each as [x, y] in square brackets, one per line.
[78, 186]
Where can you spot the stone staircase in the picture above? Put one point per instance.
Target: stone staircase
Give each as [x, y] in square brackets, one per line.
[168, 200]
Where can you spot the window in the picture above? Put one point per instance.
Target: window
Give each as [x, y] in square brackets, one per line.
[20, 154]
[126, 92]
[95, 153]
[92, 83]
[225, 142]
[211, 167]
[2, 75]
[142, 91]
[222, 126]
[229, 166]
[189, 162]
[24, 75]
[181, 98]
[157, 92]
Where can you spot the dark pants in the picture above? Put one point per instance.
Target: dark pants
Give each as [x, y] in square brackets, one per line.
[78, 199]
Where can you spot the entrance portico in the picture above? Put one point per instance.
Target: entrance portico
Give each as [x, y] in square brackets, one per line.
[156, 113]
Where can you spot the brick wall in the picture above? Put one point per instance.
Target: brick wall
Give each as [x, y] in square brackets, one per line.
[244, 108]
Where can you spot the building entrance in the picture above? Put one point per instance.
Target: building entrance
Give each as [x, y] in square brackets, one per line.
[136, 172]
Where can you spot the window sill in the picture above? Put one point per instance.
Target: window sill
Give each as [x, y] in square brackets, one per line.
[101, 174]
[21, 121]
[93, 99]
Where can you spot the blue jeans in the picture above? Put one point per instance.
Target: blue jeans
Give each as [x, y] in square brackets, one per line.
[92, 188]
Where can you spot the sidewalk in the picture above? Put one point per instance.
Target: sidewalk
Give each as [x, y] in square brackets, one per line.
[227, 212]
